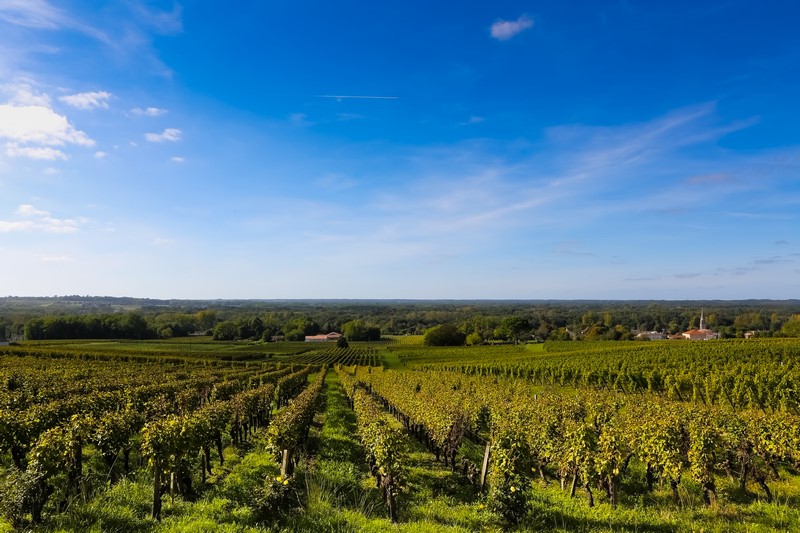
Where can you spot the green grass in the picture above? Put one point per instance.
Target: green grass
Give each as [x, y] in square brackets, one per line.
[227, 503]
[333, 491]
[341, 494]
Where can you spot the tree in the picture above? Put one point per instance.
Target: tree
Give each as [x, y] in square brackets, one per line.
[226, 331]
[748, 321]
[444, 335]
[206, 319]
[791, 327]
[357, 330]
[296, 335]
[342, 343]
[517, 327]
[474, 338]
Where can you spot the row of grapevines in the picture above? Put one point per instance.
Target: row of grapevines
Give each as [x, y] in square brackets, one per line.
[750, 374]
[171, 430]
[591, 437]
[289, 428]
[383, 440]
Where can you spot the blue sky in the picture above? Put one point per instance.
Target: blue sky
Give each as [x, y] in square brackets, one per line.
[598, 149]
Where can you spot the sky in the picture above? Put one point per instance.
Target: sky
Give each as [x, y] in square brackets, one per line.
[494, 150]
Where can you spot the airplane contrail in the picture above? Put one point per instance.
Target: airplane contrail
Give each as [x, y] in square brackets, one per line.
[355, 97]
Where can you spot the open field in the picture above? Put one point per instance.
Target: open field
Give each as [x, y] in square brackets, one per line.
[582, 436]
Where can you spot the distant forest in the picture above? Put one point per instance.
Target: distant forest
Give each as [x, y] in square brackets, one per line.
[75, 317]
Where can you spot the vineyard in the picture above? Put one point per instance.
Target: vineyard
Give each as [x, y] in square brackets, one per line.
[649, 436]
[358, 355]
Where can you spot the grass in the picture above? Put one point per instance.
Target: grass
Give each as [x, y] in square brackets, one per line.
[227, 503]
[333, 491]
[341, 494]
[551, 509]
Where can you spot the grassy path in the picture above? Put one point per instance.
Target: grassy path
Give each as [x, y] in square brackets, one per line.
[341, 494]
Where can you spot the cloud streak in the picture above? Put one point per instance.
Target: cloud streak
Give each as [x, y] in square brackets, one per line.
[86, 101]
[149, 112]
[503, 30]
[44, 153]
[168, 135]
[39, 220]
[41, 15]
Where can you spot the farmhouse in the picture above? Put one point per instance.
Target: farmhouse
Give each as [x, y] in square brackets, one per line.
[325, 337]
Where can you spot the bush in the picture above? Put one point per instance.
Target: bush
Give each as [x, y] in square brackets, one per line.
[444, 335]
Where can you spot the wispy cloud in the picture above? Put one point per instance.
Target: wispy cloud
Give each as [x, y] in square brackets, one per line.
[39, 220]
[40, 14]
[44, 153]
[772, 260]
[503, 30]
[162, 22]
[149, 111]
[100, 154]
[88, 100]
[24, 92]
[127, 27]
[32, 14]
[580, 175]
[169, 134]
[177, 159]
[28, 210]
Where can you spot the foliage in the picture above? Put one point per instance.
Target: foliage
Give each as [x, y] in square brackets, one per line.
[444, 335]
[357, 330]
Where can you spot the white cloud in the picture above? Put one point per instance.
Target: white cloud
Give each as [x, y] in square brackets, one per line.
[44, 153]
[149, 112]
[28, 210]
[39, 14]
[32, 14]
[169, 134]
[177, 159]
[40, 220]
[8, 227]
[39, 125]
[100, 154]
[23, 93]
[160, 241]
[162, 22]
[503, 30]
[90, 100]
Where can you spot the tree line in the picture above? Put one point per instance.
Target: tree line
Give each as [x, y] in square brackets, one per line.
[478, 321]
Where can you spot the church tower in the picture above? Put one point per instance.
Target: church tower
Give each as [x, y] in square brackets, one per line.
[702, 321]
